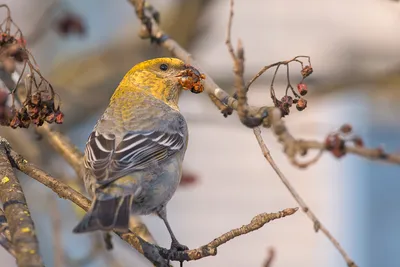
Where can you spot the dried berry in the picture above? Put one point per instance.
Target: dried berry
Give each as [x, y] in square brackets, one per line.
[21, 41]
[306, 71]
[45, 111]
[33, 111]
[25, 122]
[36, 99]
[38, 121]
[287, 99]
[302, 88]
[190, 79]
[358, 141]
[346, 128]
[301, 104]
[50, 118]
[6, 39]
[23, 112]
[336, 145]
[59, 117]
[15, 122]
[285, 104]
[70, 24]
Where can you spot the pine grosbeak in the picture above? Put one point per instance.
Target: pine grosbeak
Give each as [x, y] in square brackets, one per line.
[133, 158]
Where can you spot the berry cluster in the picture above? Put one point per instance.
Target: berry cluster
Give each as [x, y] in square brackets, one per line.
[38, 106]
[287, 101]
[37, 109]
[336, 141]
[190, 79]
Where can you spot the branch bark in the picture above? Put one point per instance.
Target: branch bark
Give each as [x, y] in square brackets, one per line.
[21, 226]
[5, 236]
[154, 253]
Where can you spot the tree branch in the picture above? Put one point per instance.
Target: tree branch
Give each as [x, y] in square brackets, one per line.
[211, 248]
[155, 254]
[241, 91]
[21, 226]
[5, 236]
[244, 111]
[336, 143]
[317, 224]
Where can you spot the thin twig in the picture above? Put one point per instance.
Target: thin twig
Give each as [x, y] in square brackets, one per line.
[210, 249]
[317, 224]
[21, 226]
[270, 258]
[237, 56]
[294, 147]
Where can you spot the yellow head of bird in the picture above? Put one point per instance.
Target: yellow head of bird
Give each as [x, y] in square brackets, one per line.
[163, 74]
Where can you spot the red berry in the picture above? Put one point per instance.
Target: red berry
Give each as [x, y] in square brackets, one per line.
[306, 71]
[15, 122]
[346, 128]
[302, 88]
[336, 145]
[59, 117]
[301, 104]
[36, 98]
[21, 41]
[50, 118]
[358, 141]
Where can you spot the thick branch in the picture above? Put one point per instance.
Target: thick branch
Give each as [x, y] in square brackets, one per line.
[64, 191]
[5, 236]
[21, 226]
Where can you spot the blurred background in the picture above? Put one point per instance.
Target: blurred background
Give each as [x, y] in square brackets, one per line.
[354, 46]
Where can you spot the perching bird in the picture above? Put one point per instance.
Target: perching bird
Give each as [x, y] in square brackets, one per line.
[133, 158]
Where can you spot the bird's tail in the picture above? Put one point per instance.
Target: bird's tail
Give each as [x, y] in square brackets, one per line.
[106, 215]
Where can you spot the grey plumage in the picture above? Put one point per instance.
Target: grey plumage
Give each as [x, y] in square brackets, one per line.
[133, 158]
[151, 154]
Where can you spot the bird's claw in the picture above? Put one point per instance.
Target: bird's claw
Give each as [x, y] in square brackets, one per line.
[178, 247]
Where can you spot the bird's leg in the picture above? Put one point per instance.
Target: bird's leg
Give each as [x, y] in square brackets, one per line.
[175, 245]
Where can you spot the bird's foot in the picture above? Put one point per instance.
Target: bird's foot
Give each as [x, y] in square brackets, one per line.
[176, 247]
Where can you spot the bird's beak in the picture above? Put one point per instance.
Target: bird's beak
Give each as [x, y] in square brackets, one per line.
[190, 79]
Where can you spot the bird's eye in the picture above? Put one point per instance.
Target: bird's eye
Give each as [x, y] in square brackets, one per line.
[163, 67]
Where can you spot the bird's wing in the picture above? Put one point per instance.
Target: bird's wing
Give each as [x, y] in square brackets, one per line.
[137, 150]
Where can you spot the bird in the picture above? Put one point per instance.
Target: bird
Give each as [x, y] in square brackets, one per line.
[133, 158]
